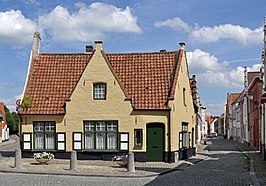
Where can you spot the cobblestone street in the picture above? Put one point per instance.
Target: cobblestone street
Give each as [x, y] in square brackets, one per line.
[225, 166]
[224, 163]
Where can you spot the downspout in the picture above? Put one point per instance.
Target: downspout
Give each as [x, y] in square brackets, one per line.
[169, 138]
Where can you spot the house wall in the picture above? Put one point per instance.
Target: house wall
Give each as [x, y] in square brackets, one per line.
[182, 112]
[254, 116]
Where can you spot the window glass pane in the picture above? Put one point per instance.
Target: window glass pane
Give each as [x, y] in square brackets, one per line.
[100, 140]
[89, 126]
[39, 141]
[111, 126]
[138, 137]
[89, 140]
[99, 91]
[38, 126]
[111, 140]
[100, 126]
[49, 126]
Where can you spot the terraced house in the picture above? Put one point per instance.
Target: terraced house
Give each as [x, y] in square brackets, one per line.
[103, 104]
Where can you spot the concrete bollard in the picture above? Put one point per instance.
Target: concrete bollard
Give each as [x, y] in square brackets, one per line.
[73, 161]
[17, 163]
[130, 162]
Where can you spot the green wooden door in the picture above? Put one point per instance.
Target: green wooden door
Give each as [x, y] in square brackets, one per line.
[155, 143]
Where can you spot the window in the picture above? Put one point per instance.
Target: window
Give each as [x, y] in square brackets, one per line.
[99, 91]
[184, 136]
[100, 135]
[138, 137]
[44, 135]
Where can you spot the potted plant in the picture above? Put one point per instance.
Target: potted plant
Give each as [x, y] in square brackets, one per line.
[43, 157]
[120, 160]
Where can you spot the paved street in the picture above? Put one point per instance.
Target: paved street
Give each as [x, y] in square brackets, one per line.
[9, 179]
[225, 165]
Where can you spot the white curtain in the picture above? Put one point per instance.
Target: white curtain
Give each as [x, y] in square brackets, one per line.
[49, 141]
[89, 140]
[38, 140]
[111, 141]
[100, 140]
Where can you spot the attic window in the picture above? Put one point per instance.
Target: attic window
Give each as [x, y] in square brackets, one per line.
[99, 91]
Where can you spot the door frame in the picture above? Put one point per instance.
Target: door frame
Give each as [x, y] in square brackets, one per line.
[156, 125]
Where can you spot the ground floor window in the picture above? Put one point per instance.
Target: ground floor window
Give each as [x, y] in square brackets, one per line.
[184, 136]
[100, 135]
[44, 135]
[138, 137]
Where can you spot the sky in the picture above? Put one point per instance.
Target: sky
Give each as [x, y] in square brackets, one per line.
[221, 37]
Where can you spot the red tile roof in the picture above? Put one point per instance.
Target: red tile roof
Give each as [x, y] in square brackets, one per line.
[51, 81]
[145, 78]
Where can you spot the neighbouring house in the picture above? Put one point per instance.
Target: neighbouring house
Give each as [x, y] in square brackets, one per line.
[211, 123]
[197, 104]
[219, 125]
[254, 96]
[101, 104]
[204, 125]
[230, 117]
[2, 118]
[236, 118]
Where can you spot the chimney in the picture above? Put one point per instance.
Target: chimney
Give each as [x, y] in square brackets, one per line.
[36, 44]
[98, 45]
[89, 48]
[182, 45]
[163, 50]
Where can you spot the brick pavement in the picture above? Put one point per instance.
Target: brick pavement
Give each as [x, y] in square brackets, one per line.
[95, 167]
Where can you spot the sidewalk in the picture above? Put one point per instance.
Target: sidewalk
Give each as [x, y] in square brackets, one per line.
[97, 168]
[257, 164]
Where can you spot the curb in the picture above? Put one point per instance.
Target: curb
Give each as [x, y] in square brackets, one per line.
[252, 172]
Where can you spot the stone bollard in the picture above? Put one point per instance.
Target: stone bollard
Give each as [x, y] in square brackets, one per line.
[130, 162]
[17, 163]
[73, 161]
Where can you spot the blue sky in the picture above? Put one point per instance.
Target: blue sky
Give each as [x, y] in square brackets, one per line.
[221, 37]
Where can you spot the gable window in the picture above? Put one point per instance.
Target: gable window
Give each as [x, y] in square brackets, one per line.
[99, 91]
[138, 137]
[100, 135]
[44, 135]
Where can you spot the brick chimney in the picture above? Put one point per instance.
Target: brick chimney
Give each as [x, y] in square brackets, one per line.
[36, 44]
[89, 48]
[98, 45]
[182, 45]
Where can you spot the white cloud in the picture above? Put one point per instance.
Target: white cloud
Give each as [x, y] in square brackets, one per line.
[227, 31]
[216, 107]
[209, 71]
[89, 23]
[175, 23]
[206, 34]
[15, 28]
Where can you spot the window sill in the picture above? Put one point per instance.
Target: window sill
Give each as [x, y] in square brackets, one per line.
[100, 150]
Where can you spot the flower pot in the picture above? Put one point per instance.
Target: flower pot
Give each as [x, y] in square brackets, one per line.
[121, 163]
[42, 160]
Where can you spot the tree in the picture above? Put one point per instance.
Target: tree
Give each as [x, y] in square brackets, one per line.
[12, 120]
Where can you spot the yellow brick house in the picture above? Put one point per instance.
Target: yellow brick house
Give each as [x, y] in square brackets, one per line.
[103, 104]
